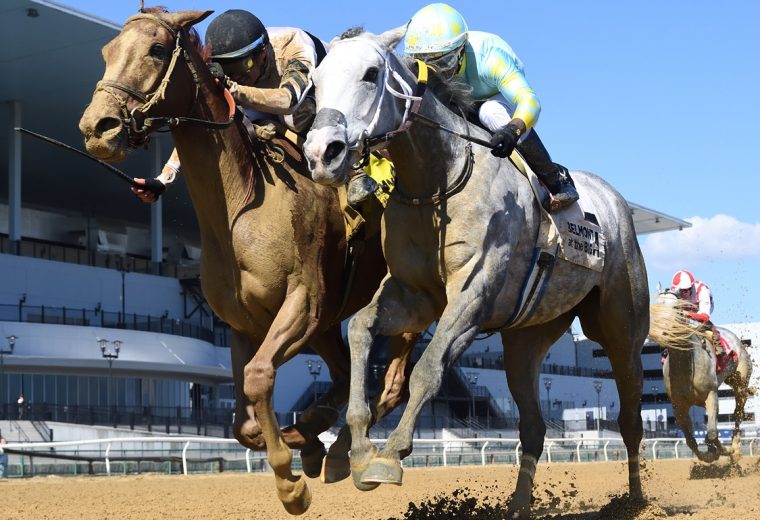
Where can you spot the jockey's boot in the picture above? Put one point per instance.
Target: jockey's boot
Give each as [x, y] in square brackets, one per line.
[360, 187]
[555, 177]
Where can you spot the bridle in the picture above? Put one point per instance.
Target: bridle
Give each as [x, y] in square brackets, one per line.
[412, 97]
[367, 142]
[136, 121]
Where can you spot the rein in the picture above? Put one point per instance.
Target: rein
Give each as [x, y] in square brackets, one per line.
[136, 122]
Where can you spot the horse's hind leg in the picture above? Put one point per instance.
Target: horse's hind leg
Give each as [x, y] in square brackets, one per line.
[712, 441]
[739, 381]
[323, 413]
[524, 350]
[621, 328]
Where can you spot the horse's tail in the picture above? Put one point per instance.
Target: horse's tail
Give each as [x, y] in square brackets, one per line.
[670, 327]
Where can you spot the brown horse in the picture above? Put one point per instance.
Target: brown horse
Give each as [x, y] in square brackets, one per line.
[273, 242]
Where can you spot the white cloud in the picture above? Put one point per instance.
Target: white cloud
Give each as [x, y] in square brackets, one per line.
[718, 238]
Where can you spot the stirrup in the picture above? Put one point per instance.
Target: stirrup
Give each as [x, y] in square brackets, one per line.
[360, 188]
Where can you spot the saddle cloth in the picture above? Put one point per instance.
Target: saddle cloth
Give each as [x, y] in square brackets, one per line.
[730, 355]
[572, 234]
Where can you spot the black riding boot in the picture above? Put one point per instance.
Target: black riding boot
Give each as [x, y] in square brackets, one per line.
[554, 176]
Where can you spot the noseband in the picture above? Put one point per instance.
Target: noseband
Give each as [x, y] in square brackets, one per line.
[136, 122]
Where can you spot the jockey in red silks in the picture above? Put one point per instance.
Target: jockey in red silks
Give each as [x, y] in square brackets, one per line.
[687, 288]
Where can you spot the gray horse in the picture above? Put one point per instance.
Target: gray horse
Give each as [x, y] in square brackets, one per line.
[459, 236]
[692, 379]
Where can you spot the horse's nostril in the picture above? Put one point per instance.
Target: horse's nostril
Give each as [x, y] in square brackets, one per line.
[106, 124]
[333, 150]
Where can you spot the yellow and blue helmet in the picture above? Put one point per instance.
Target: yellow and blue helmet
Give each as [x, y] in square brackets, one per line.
[436, 29]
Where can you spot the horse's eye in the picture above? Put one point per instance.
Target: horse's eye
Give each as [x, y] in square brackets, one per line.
[157, 51]
[370, 75]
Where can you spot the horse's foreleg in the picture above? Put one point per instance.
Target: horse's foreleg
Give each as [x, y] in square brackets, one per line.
[245, 428]
[395, 389]
[324, 412]
[455, 331]
[390, 313]
[393, 393]
[290, 329]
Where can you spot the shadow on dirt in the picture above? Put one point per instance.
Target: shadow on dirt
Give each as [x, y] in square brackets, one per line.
[462, 505]
[707, 471]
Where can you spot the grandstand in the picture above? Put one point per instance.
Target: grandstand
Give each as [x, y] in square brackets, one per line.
[102, 321]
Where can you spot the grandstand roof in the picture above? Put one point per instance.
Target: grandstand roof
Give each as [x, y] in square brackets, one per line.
[51, 57]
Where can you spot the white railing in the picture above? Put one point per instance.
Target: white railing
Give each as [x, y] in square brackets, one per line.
[482, 448]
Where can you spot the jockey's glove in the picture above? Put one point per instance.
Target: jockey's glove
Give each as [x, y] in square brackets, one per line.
[505, 138]
[216, 70]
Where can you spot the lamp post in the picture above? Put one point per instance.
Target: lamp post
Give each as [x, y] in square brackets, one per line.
[654, 398]
[472, 378]
[11, 343]
[110, 356]
[548, 386]
[315, 368]
[598, 388]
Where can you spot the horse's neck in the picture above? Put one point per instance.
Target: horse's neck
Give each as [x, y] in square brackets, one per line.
[215, 165]
[427, 160]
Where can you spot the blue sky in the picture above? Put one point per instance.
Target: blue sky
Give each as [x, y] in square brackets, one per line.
[659, 98]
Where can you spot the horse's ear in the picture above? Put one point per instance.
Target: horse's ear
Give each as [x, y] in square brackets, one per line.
[389, 39]
[187, 19]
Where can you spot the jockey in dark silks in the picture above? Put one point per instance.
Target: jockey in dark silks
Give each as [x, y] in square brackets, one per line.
[267, 71]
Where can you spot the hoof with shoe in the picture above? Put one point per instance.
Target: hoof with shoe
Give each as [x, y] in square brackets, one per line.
[359, 484]
[311, 460]
[335, 469]
[383, 471]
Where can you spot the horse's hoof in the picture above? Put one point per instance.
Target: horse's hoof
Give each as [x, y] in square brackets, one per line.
[296, 498]
[357, 475]
[334, 469]
[518, 513]
[383, 471]
[311, 461]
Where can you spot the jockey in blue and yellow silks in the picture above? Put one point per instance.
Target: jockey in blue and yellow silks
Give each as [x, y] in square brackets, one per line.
[438, 35]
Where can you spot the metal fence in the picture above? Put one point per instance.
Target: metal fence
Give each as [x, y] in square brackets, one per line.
[206, 454]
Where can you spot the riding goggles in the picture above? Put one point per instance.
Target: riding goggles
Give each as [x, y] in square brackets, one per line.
[240, 61]
[442, 62]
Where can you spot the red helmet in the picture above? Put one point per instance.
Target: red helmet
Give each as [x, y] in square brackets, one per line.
[683, 280]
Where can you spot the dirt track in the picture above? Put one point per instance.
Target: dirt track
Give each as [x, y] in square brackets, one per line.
[677, 489]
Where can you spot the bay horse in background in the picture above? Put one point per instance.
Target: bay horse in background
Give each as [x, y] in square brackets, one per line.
[273, 242]
[691, 375]
[460, 236]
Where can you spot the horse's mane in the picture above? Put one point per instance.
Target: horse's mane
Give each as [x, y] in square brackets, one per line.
[452, 91]
[670, 327]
